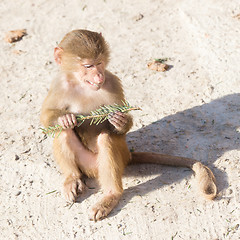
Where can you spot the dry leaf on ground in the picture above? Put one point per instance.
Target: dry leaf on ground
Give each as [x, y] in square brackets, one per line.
[15, 35]
[158, 66]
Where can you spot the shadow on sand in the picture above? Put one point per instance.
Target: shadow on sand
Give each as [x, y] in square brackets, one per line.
[203, 133]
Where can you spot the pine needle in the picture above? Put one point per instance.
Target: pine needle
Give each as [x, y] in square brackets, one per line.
[97, 116]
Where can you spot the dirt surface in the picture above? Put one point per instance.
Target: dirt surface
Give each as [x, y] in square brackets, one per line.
[191, 110]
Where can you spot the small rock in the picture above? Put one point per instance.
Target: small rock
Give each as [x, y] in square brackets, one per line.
[27, 151]
[237, 16]
[229, 191]
[17, 52]
[18, 193]
[138, 17]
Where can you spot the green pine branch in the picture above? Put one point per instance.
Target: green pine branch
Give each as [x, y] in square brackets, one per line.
[97, 116]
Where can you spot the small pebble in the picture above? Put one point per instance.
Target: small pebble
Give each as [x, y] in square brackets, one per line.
[18, 193]
[229, 191]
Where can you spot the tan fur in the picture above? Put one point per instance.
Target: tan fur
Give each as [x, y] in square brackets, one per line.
[204, 176]
[83, 85]
[83, 44]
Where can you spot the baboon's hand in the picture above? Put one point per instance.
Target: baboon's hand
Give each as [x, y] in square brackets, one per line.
[67, 121]
[118, 120]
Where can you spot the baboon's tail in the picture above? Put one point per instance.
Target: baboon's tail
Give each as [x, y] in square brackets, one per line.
[204, 176]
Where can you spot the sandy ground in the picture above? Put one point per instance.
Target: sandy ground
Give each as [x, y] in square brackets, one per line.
[192, 110]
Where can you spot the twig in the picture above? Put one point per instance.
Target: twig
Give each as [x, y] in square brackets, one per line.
[98, 116]
[51, 192]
